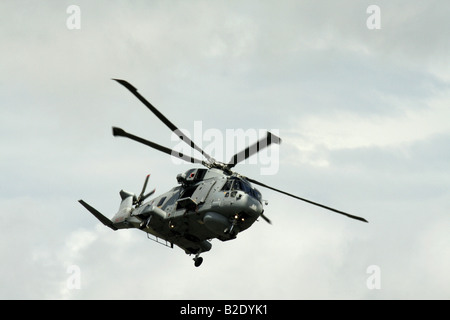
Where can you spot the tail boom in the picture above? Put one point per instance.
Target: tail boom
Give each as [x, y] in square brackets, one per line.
[98, 215]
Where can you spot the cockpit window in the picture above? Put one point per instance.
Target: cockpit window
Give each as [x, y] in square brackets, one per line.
[227, 185]
[242, 185]
[236, 185]
[256, 194]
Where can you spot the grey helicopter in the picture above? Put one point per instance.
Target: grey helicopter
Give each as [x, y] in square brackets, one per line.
[209, 202]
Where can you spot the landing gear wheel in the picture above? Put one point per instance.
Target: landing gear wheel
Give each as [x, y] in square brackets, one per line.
[198, 261]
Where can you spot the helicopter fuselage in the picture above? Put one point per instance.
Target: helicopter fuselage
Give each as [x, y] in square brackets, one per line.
[207, 204]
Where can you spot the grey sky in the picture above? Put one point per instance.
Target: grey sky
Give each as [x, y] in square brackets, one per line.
[363, 115]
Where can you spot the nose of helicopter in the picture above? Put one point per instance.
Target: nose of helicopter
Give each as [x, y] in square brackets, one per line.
[252, 208]
[256, 210]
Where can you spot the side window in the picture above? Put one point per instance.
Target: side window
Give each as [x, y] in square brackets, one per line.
[227, 185]
[161, 202]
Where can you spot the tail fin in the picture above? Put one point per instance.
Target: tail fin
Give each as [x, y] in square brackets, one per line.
[98, 215]
[128, 199]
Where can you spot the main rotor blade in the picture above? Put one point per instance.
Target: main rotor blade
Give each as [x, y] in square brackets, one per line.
[308, 201]
[117, 132]
[254, 148]
[161, 117]
[265, 218]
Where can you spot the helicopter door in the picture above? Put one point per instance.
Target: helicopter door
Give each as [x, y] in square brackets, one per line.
[202, 191]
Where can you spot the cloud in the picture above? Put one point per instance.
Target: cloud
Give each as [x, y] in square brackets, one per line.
[418, 121]
[362, 115]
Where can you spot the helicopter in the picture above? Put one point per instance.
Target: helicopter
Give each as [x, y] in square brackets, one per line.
[209, 202]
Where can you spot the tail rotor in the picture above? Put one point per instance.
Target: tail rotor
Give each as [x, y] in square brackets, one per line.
[142, 196]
